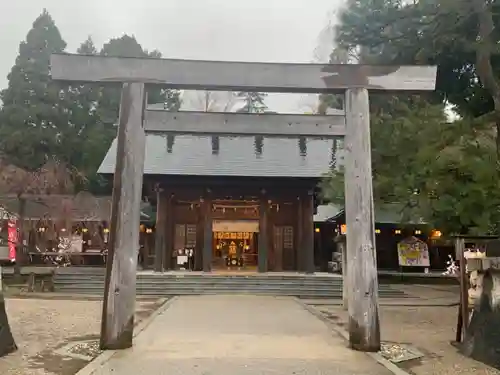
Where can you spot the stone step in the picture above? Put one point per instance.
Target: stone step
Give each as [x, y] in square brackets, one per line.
[91, 281]
[208, 280]
[203, 291]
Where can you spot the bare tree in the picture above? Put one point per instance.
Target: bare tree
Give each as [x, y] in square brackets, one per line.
[52, 178]
[309, 103]
[209, 101]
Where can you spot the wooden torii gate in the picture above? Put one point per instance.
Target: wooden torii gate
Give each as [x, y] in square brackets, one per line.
[135, 73]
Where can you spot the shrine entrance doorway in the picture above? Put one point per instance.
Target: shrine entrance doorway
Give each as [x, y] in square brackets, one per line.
[235, 245]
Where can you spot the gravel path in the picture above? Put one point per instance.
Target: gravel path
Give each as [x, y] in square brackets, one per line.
[429, 329]
[40, 326]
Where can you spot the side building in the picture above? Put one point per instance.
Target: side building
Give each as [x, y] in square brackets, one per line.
[239, 202]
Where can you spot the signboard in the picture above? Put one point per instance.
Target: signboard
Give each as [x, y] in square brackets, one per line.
[76, 244]
[235, 226]
[413, 252]
[233, 235]
[12, 238]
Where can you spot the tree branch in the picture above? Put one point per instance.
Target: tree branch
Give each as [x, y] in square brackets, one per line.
[484, 51]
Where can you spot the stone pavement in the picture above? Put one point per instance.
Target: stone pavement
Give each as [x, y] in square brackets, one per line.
[238, 335]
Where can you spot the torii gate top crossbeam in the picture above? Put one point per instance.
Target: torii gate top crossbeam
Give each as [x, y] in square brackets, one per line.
[242, 76]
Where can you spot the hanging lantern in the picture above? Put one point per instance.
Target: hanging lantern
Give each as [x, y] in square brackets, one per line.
[436, 233]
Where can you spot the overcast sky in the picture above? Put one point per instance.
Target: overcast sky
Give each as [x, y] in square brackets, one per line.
[256, 30]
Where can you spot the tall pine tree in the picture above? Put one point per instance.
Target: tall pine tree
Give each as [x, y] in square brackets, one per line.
[95, 110]
[109, 103]
[92, 137]
[253, 102]
[34, 112]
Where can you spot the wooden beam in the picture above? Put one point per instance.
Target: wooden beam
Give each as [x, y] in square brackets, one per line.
[241, 76]
[278, 125]
[364, 325]
[120, 284]
[238, 185]
[464, 288]
[341, 244]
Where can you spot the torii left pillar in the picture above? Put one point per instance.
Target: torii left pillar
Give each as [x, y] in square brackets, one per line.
[120, 285]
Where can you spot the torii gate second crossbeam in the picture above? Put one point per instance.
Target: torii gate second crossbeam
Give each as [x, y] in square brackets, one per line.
[134, 73]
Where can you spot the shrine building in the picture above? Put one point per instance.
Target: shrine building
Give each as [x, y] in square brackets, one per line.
[240, 202]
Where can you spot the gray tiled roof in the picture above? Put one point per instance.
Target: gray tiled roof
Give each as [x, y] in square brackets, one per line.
[326, 212]
[192, 155]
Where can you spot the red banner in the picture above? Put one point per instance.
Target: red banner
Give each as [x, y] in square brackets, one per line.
[12, 236]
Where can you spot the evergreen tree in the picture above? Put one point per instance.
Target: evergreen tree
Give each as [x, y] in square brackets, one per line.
[92, 137]
[458, 36]
[95, 110]
[432, 168]
[449, 173]
[34, 112]
[109, 102]
[253, 102]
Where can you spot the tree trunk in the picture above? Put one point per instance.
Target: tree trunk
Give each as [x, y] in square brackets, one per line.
[7, 343]
[484, 68]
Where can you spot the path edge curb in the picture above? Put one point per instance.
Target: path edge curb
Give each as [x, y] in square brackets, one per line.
[104, 357]
[345, 335]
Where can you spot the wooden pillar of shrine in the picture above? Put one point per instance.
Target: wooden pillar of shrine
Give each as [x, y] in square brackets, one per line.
[161, 229]
[208, 233]
[308, 234]
[263, 234]
[169, 232]
[298, 237]
[271, 260]
[200, 228]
